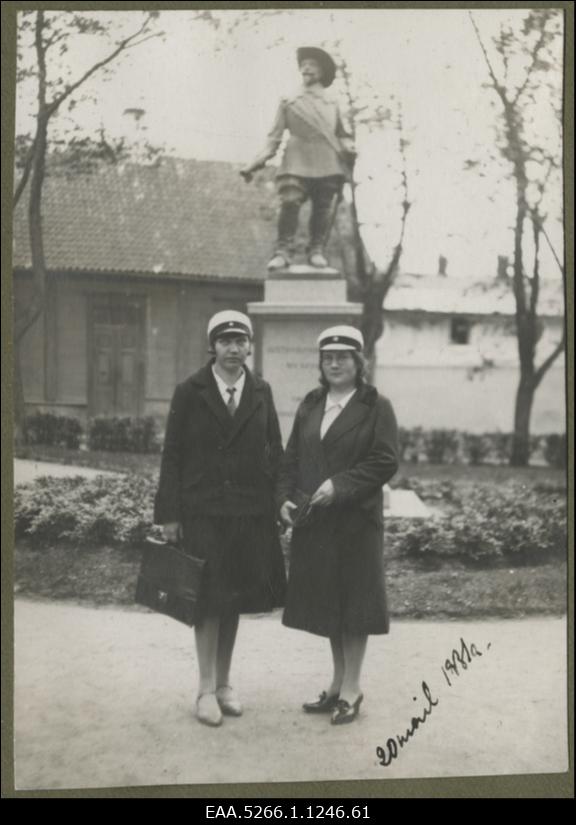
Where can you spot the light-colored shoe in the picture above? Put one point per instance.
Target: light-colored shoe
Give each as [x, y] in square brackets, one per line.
[318, 260]
[229, 703]
[279, 261]
[208, 710]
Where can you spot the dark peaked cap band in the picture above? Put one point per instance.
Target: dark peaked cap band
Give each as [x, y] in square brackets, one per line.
[229, 321]
[230, 327]
[341, 339]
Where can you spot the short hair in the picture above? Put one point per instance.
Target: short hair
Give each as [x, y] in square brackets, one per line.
[361, 368]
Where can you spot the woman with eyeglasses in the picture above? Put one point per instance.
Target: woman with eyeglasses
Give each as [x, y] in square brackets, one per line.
[342, 450]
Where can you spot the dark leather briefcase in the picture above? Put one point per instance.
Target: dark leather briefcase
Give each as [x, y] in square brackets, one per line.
[169, 581]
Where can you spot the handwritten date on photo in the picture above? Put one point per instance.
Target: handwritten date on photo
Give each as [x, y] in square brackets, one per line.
[458, 661]
[287, 812]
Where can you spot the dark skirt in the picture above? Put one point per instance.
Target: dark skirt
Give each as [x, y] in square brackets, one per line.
[336, 577]
[244, 571]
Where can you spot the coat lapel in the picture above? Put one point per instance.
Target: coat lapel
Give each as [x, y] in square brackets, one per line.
[311, 428]
[353, 414]
[212, 398]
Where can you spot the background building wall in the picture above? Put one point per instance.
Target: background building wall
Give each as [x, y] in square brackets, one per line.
[434, 383]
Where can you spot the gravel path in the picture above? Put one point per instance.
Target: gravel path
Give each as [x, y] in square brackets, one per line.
[26, 470]
[104, 698]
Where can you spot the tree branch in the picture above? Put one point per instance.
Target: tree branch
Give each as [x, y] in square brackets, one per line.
[41, 53]
[56, 38]
[122, 46]
[551, 247]
[392, 268]
[25, 174]
[23, 324]
[537, 47]
[499, 89]
[553, 251]
[547, 363]
[144, 40]
[535, 284]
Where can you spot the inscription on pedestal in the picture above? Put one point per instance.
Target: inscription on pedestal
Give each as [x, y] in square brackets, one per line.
[289, 321]
[290, 363]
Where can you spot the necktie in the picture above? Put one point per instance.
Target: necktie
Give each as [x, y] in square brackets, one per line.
[231, 405]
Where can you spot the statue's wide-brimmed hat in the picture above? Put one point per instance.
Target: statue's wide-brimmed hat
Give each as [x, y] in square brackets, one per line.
[326, 63]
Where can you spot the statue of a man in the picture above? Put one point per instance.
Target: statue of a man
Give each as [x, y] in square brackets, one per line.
[317, 160]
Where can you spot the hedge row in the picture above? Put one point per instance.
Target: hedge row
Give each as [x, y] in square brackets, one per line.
[128, 434]
[484, 525]
[460, 447]
[54, 430]
[140, 435]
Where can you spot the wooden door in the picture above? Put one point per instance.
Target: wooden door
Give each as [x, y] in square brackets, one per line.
[117, 357]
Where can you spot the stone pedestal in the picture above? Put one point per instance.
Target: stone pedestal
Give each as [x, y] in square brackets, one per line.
[298, 304]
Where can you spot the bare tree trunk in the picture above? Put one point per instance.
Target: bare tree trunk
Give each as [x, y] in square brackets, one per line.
[372, 325]
[37, 172]
[519, 154]
[361, 274]
[35, 212]
[20, 430]
[530, 375]
[520, 456]
[373, 310]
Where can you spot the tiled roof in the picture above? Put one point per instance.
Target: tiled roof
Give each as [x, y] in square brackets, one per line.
[198, 219]
[181, 217]
[453, 296]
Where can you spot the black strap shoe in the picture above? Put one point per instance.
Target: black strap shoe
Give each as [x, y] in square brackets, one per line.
[344, 712]
[324, 704]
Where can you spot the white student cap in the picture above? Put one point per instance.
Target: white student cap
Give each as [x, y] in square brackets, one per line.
[229, 322]
[341, 338]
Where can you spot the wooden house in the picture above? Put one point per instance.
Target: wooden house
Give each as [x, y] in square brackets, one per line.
[140, 257]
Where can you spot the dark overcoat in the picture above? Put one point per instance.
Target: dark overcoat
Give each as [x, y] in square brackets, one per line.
[217, 479]
[336, 580]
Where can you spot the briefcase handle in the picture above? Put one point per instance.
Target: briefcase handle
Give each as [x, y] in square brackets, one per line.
[152, 541]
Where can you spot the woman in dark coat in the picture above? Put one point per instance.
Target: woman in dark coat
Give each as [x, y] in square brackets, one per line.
[219, 467]
[342, 450]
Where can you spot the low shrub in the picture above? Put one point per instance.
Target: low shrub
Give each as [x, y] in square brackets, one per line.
[130, 435]
[54, 430]
[411, 444]
[500, 447]
[115, 510]
[476, 448]
[509, 524]
[441, 446]
[555, 450]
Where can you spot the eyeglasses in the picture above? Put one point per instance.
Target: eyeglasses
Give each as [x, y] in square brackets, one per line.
[335, 357]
